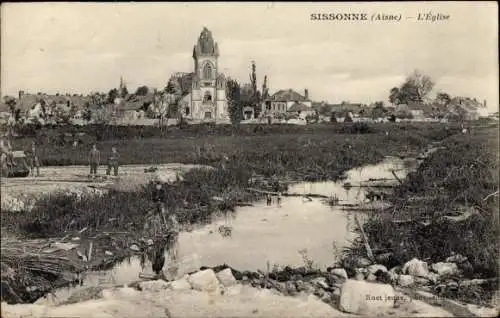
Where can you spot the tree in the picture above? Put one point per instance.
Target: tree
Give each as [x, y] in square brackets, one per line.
[112, 95]
[233, 93]
[174, 87]
[124, 91]
[443, 99]
[394, 96]
[87, 113]
[160, 106]
[142, 90]
[415, 89]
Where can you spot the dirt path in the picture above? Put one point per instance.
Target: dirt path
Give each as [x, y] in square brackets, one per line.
[17, 192]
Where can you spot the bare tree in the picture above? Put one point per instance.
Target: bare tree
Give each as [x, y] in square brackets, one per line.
[422, 84]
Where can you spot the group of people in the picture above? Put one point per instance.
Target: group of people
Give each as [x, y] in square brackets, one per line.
[269, 199]
[95, 160]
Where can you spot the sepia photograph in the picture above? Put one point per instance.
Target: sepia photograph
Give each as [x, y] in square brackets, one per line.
[249, 159]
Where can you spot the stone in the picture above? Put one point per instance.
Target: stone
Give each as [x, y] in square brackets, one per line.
[359, 276]
[154, 285]
[205, 280]
[340, 272]
[226, 277]
[416, 267]
[135, 248]
[433, 277]
[483, 311]
[393, 276]
[363, 262]
[366, 298]
[290, 288]
[371, 277]
[396, 270]
[405, 280]
[108, 253]
[372, 269]
[180, 284]
[320, 282]
[457, 258]
[445, 268]
[304, 287]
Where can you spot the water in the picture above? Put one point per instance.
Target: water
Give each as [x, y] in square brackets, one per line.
[265, 235]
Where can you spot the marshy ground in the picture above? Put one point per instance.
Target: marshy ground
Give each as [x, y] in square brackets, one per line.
[310, 153]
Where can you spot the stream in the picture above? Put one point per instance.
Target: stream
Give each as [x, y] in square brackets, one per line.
[263, 236]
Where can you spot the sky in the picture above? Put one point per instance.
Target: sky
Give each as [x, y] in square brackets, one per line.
[84, 47]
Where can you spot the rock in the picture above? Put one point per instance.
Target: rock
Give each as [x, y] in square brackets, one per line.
[422, 280]
[108, 253]
[180, 284]
[393, 276]
[445, 268]
[371, 277]
[416, 267]
[359, 276]
[205, 280]
[483, 311]
[405, 280]
[372, 269]
[290, 288]
[363, 262]
[154, 285]
[226, 277]
[366, 298]
[456, 259]
[340, 272]
[304, 287]
[135, 248]
[433, 277]
[320, 282]
[396, 270]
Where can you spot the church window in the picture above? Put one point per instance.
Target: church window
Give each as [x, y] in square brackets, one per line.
[207, 97]
[207, 71]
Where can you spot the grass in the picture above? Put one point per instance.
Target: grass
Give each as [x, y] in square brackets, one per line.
[449, 182]
[310, 152]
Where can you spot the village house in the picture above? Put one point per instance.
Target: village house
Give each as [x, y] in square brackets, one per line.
[281, 103]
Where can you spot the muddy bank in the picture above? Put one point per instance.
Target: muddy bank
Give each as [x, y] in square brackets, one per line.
[227, 293]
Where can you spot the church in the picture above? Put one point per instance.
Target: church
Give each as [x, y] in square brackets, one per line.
[207, 99]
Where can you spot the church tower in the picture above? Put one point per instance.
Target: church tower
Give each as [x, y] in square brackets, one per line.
[208, 94]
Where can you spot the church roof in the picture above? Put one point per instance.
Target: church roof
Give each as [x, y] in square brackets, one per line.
[206, 43]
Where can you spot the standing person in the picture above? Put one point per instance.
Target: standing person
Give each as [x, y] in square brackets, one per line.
[35, 160]
[163, 227]
[94, 159]
[113, 162]
[279, 199]
[269, 199]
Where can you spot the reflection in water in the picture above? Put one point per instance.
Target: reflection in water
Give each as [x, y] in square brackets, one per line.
[263, 235]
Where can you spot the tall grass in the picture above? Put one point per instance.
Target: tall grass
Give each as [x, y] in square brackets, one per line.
[450, 181]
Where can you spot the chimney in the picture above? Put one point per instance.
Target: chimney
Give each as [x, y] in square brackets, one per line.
[306, 94]
[21, 94]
